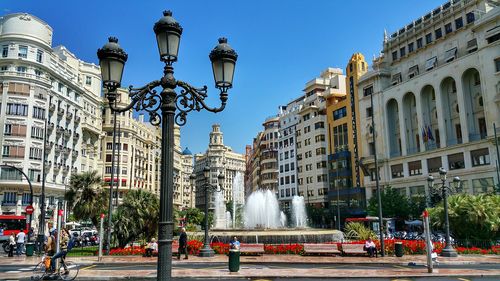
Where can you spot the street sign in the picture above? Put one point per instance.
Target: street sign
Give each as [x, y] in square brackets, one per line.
[425, 214]
[29, 209]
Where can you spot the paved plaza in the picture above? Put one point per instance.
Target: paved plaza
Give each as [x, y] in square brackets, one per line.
[272, 267]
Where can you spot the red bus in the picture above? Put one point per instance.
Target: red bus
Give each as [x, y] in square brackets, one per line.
[11, 224]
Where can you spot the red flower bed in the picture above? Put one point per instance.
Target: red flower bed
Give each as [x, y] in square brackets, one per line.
[284, 249]
[135, 250]
[411, 247]
[194, 247]
[220, 248]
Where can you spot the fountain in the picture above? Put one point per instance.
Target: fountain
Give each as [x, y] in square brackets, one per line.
[299, 216]
[264, 222]
[262, 210]
[220, 210]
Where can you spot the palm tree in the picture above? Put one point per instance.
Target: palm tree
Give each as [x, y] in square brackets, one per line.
[136, 218]
[472, 217]
[85, 196]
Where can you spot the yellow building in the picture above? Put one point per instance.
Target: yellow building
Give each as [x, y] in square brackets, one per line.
[346, 179]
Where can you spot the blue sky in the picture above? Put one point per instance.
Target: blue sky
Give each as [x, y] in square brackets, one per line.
[281, 46]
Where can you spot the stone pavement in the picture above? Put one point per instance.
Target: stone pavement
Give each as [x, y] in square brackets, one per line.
[266, 266]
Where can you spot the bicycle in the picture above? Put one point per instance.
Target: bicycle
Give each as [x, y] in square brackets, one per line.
[42, 270]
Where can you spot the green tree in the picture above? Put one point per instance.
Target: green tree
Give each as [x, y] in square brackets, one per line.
[194, 218]
[474, 217]
[136, 218]
[85, 196]
[417, 205]
[396, 205]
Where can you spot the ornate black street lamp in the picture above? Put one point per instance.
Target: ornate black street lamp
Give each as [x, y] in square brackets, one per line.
[208, 188]
[162, 109]
[448, 250]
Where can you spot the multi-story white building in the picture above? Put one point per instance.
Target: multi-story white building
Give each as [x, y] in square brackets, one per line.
[49, 105]
[221, 159]
[287, 184]
[436, 96]
[311, 132]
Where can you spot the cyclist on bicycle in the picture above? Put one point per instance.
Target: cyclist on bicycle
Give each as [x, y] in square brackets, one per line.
[63, 250]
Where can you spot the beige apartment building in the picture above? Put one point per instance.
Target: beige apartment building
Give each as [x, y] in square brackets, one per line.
[222, 160]
[311, 134]
[138, 155]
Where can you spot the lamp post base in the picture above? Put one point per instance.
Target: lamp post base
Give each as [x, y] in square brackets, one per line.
[449, 252]
[206, 252]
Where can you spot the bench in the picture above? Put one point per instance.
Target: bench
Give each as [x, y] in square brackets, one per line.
[354, 249]
[252, 249]
[327, 249]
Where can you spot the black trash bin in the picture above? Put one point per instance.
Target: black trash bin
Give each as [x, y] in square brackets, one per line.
[234, 260]
[30, 248]
[398, 249]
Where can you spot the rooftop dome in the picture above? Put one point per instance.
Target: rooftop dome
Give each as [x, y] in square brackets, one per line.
[187, 152]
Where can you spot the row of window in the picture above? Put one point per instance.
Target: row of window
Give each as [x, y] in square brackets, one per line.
[22, 52]
[10, 198]
[288, 167]
[18, 109]
[287, 154]
[429, 38]
[479, 157]
[287, 192]
[287, 180]
[310, 179]
[479, 186]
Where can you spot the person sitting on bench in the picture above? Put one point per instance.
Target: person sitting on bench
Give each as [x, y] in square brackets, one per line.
[370, 247]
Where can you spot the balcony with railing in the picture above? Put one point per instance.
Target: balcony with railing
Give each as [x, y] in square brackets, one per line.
[49, 145]
[67, 133]
[60, 111]
[52, 107]
[69, 115]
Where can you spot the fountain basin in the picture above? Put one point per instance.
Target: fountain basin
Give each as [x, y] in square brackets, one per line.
[275, 236]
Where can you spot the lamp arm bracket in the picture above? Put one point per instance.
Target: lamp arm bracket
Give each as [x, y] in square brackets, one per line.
[144, 98]
[191, 98]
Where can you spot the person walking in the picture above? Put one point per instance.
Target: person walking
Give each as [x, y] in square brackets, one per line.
[12, 243]
[182, 244]
[21, 236]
